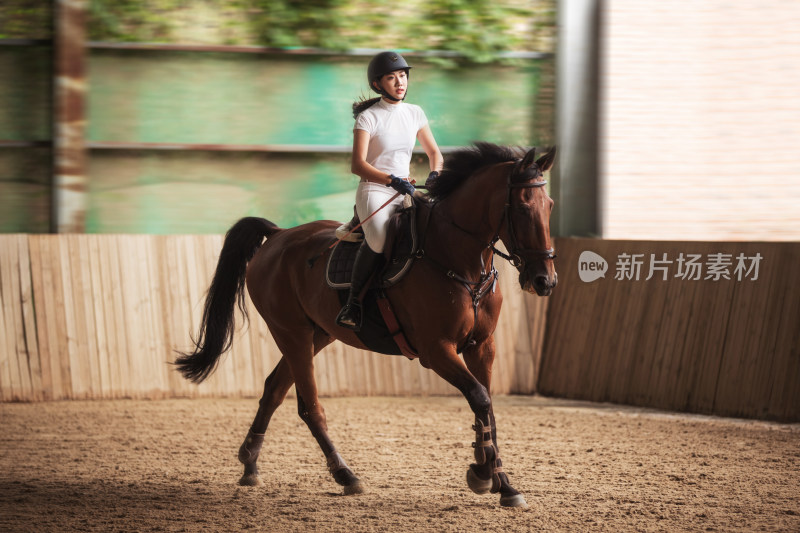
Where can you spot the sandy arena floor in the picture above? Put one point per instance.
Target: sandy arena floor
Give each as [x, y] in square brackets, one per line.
[171, 466]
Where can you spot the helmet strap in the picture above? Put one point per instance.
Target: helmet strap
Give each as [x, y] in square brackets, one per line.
[388, 96]
[392, 98]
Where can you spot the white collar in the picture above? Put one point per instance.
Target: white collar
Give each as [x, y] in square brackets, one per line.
[389, 107]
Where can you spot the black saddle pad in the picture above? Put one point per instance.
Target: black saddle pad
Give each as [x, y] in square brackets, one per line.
[401, 240]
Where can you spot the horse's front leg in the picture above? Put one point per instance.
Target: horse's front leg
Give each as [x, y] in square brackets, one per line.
[487, 474]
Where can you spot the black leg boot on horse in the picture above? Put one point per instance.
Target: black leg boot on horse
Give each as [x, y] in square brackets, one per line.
[366, 262]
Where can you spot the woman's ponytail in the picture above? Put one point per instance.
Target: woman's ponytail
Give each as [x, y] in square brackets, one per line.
[362, 105]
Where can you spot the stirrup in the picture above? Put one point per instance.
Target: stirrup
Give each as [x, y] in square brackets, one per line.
[346, 319]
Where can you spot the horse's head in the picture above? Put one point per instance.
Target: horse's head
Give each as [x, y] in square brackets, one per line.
[526, 232]
[520, 203]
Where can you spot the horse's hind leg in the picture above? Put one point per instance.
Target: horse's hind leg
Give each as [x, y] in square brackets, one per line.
[276, 387]
[309, 408]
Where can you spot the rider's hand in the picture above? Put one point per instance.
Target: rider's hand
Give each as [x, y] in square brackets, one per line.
[401, 185]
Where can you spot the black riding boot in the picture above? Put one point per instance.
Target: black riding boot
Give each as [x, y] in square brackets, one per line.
[366, 261]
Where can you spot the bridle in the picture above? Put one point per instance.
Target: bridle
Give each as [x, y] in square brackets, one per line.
[517, 179]
[517, 253]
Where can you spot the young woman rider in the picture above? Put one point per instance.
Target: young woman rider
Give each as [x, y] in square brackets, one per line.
[384, 135]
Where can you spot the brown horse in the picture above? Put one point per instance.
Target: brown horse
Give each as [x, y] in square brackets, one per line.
[448, 303]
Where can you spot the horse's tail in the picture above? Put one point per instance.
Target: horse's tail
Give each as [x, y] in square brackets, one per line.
[227, 288]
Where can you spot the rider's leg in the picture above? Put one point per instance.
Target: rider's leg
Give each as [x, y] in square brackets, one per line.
[366, 261]
[372, 208]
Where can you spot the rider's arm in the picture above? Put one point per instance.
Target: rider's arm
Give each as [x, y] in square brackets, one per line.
[425, 137]
[359, 165]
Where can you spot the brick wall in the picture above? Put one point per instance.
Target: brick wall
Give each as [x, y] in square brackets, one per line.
[700, 107]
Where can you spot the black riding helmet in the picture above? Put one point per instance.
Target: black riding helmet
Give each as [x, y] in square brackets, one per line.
[384, 63]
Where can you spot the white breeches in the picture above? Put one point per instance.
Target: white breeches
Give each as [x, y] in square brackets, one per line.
[369, 197]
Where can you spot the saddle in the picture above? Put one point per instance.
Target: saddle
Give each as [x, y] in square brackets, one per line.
[345, 232]
[380, 330]
[401, 247]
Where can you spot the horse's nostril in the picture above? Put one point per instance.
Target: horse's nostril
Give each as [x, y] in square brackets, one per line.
[540, 282]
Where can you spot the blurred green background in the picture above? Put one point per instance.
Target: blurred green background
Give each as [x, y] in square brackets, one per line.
[279, 120]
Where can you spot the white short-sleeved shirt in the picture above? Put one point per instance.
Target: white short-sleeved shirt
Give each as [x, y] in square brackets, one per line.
[392, 132]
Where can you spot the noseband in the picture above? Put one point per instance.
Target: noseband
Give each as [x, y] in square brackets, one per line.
[516, 252]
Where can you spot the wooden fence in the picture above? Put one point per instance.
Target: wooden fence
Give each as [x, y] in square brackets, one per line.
[100, 316]
[728, 347]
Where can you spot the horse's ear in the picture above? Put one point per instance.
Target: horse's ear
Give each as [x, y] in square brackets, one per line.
[527, 161]
[545, 162]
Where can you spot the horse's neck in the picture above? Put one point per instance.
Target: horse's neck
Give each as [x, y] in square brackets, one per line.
[465, 222]
[477, 205]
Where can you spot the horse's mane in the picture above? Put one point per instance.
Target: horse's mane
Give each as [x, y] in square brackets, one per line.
[461, 164]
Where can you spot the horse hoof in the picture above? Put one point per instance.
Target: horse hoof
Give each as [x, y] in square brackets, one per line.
[514, 500]
[478, 485]
[354, 488]
[250, 480]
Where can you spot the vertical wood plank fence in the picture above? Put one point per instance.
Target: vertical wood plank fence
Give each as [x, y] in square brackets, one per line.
[100, 316]
[727, 347]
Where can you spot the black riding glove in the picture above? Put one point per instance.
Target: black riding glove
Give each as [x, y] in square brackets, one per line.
[401, 185]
